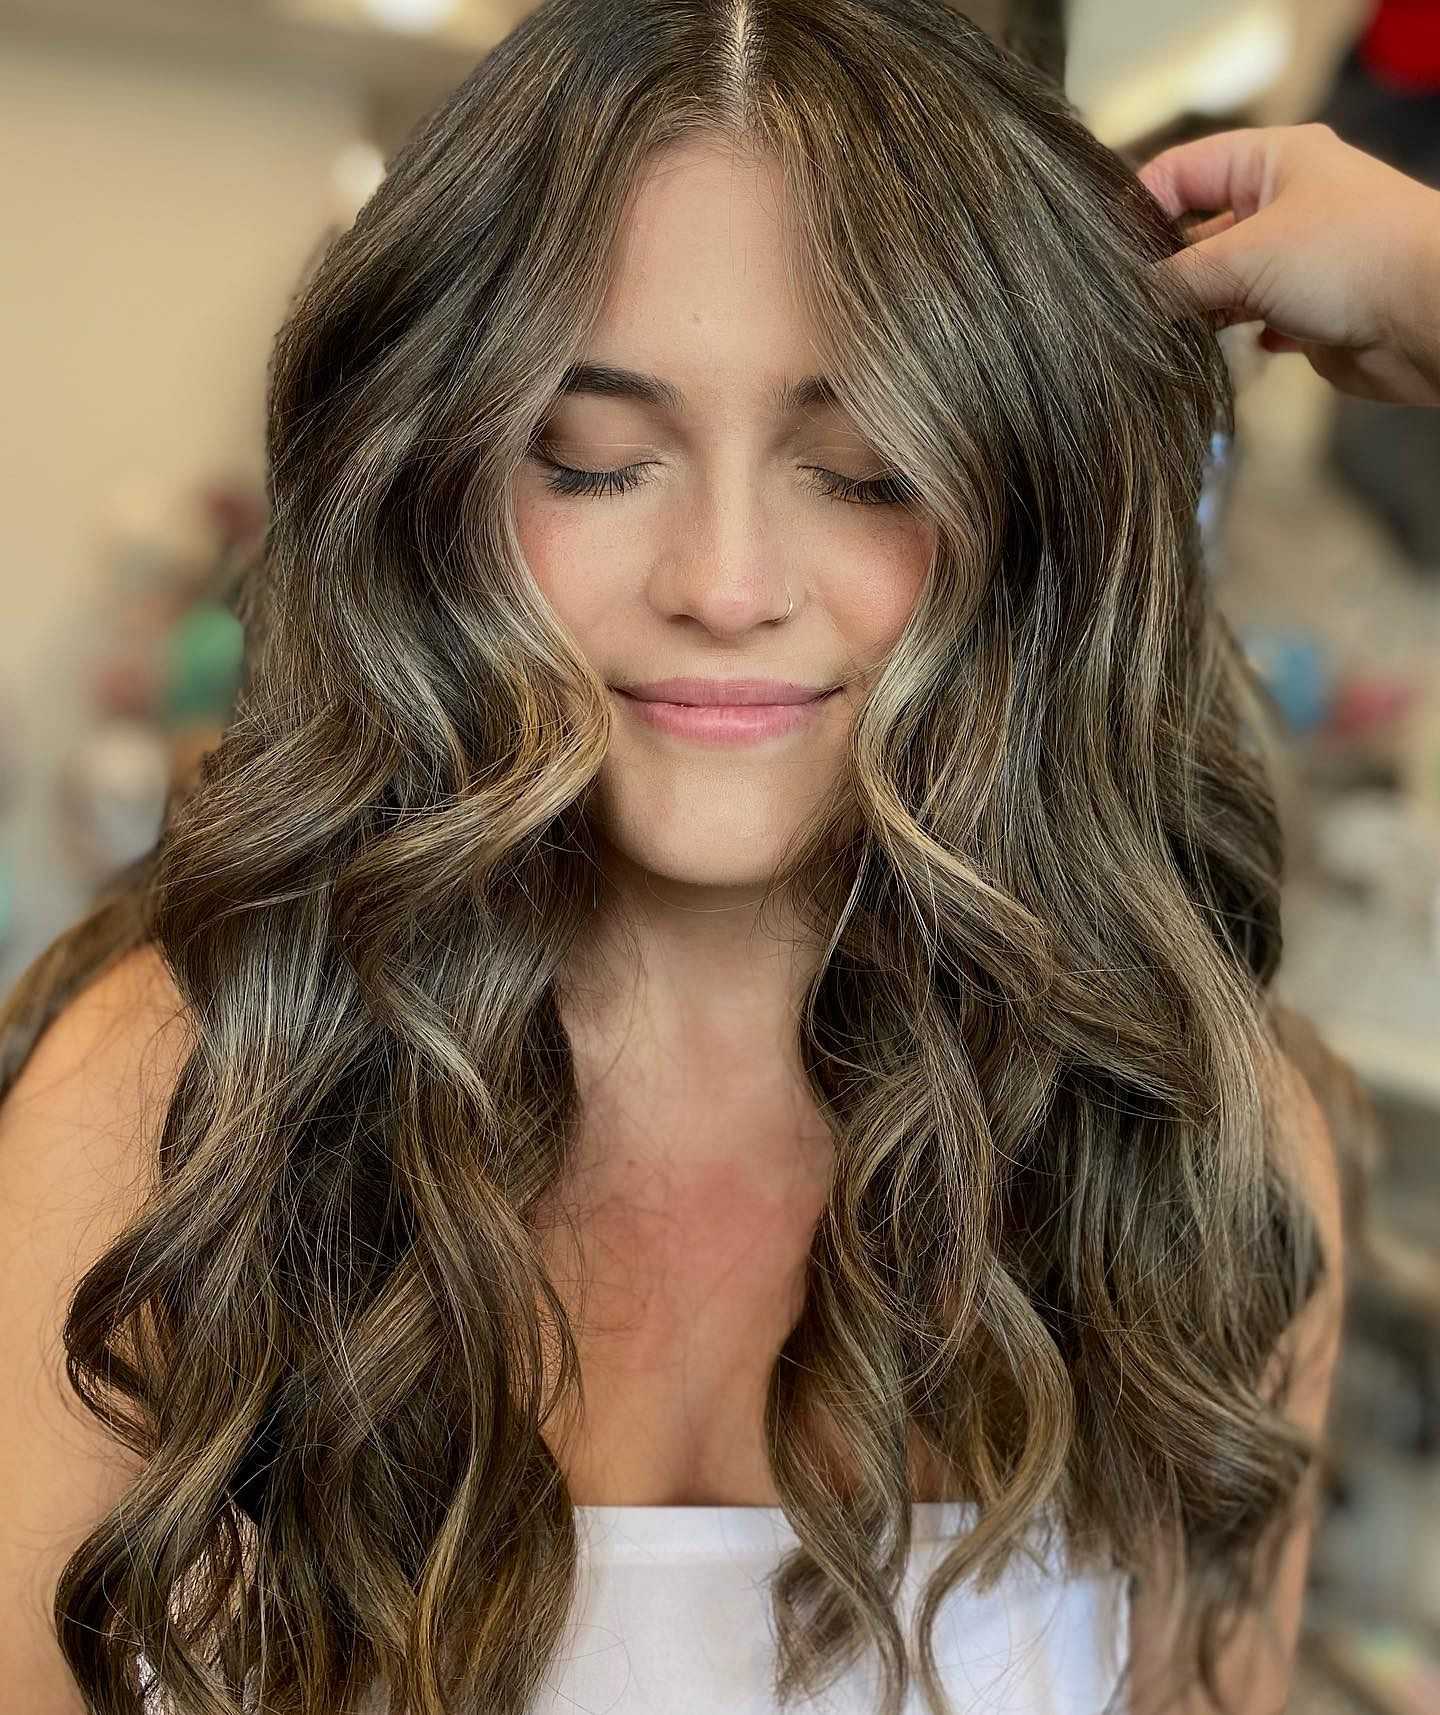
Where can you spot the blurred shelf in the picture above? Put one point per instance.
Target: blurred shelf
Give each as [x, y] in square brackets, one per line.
[1370, 985]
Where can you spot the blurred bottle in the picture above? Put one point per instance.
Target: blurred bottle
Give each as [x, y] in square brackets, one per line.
[1294, 665]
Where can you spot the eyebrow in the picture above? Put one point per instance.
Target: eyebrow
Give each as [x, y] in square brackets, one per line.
[788, 398]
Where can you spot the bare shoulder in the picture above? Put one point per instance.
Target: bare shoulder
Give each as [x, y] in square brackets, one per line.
[1257, 1663]
[133, 1004]
[1310, 1156]
[78, 1130]
[96, 1084]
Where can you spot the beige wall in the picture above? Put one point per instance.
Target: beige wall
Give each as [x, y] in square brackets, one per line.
[1131, 62]
[158, 213]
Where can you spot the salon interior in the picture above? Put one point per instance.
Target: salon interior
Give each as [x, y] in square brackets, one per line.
[173, 166]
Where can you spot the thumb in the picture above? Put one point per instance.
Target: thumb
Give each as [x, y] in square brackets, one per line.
[1207, 276]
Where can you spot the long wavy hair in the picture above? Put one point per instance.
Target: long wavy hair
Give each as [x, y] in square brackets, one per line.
[1058, 1245]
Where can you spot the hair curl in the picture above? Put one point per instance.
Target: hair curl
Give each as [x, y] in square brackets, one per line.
[1057, 1246]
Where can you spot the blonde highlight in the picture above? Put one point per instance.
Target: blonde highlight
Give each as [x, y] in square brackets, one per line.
[1058, 1248]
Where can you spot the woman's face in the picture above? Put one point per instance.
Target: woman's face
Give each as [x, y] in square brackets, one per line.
[684, 567]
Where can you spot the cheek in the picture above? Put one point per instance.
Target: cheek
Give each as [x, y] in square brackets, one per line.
[874, 604]
[566, 562]
[581, 567]
[541, 541]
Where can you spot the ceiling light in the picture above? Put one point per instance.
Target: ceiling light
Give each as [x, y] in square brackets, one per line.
[410, 14]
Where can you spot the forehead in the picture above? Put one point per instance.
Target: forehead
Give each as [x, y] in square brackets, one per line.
[699, 306]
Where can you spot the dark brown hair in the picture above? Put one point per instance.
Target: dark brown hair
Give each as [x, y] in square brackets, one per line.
[1058, 1244]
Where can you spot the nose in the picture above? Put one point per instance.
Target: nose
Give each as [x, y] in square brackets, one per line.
[733, 571]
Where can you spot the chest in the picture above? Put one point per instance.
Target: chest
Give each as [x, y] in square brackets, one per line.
[682, 1284]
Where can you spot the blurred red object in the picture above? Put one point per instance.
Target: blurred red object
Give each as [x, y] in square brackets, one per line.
[127, 685]
[1401, 44]
[1363, 706]
[237, 510]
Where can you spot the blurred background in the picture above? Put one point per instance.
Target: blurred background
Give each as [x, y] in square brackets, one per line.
[173, 168]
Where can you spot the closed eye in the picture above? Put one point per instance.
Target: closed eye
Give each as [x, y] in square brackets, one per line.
[887, 490]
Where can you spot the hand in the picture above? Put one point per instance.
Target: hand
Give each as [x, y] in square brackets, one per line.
[1338, 253]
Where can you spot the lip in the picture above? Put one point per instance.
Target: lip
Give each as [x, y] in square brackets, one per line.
[711, 693]
[728, 722]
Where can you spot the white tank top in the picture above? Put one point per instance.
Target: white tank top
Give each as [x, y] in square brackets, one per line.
[672, 1615]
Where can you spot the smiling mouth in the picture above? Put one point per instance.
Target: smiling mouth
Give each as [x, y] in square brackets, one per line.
[728, 723]
[682, 703]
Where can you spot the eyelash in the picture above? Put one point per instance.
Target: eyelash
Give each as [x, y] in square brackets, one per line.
[858, 491]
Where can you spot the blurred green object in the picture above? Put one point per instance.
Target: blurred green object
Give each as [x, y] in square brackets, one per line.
[1389, 1664]
[206, 653]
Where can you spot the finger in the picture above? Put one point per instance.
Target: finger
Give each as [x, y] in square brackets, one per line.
[1203, 273]
[1211, 228]
[1222, 171]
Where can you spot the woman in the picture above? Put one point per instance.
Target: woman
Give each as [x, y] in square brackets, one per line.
[868, 1108]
